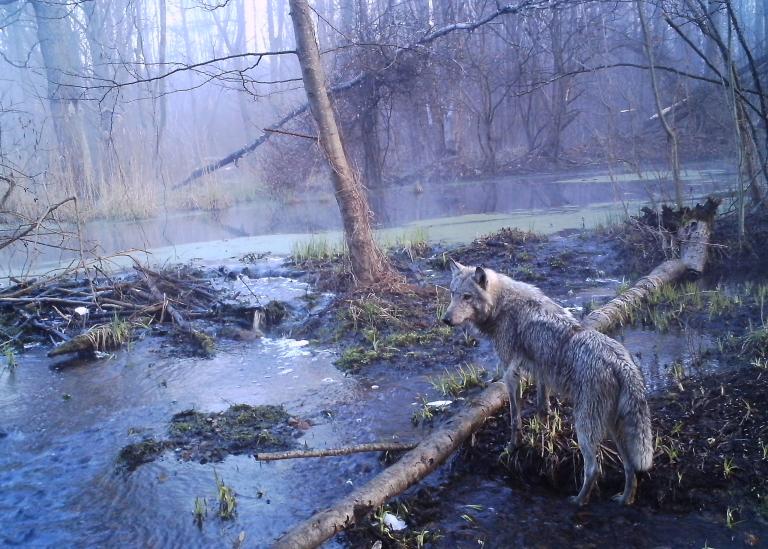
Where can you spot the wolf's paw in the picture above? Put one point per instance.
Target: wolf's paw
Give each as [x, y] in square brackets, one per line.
[576, 500]
[622, 499]
[511, 447]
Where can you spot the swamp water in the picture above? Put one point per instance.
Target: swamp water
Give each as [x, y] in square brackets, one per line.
[61, 429]
[454, 212]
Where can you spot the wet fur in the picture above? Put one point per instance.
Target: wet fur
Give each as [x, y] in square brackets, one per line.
[535, 336]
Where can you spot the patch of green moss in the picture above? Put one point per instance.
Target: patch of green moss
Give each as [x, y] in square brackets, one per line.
[405, 339]
[205, 342]
[182, 427]
[355, 357]
[208, 437]
[133, 455]
[385, 347]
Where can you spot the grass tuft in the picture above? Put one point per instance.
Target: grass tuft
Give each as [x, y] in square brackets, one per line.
[317, 249]
[455, 383]
[227, 499]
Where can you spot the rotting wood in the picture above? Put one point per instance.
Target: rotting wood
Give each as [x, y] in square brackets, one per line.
[693, 241]
[343, 451]
[439, 445]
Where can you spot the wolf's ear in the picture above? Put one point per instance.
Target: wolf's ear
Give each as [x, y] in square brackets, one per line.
[480, 278]
[456, 267]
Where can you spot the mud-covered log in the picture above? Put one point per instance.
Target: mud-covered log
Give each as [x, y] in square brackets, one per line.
[438, 446]
[78, 344]
[412, 467]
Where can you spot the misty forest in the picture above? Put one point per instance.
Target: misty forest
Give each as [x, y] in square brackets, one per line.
[254, 261]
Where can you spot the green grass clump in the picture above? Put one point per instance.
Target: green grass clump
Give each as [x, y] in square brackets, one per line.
[754, 344]
[227, 499]
[406, 339]
[385, 347]
[355, 357]
[455, 383]
[414, 242]
[105, 337]
[9, 353]
[201, 511]
[317, 249]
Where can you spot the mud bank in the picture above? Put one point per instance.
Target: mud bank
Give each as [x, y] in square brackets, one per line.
[709, 403]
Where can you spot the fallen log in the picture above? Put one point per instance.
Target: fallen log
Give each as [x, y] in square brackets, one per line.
[411, 468]
[343, 451]
[693, 239]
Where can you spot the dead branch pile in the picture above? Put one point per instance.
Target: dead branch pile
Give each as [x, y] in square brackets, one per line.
[93, 311]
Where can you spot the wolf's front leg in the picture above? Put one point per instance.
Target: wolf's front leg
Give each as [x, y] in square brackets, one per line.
[542, 398]
[512, 381]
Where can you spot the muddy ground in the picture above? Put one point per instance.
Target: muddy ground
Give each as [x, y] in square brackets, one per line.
[711, 461]
[711, 429]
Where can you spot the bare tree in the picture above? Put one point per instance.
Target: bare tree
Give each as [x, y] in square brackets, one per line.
[674, 155]
[368, 263]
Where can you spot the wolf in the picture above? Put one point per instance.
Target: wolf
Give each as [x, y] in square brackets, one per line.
[535, 336]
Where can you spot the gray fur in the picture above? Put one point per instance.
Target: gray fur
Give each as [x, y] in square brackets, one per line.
[533, 335]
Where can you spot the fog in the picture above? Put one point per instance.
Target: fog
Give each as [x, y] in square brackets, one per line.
[146, 107]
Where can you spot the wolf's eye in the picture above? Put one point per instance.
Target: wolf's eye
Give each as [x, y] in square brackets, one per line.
[466, 297]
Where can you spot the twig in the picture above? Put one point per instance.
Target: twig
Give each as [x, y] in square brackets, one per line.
[294, 134]
[343, 451]
[32, 226]
[41, 326]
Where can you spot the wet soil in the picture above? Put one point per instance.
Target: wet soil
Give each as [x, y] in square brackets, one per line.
[690, 498]
[711, 429]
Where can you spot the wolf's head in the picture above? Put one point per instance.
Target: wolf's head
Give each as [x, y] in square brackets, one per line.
[471, 300]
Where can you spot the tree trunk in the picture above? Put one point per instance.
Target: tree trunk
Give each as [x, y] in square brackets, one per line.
[559, 98]
[674, 158]
[439, 445]
[368, 263]
[61, 57]
[160, 94]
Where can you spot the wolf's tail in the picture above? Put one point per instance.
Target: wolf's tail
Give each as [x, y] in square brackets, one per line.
[634, 417]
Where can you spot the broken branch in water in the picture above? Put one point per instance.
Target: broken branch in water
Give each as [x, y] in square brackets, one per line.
[343, 451]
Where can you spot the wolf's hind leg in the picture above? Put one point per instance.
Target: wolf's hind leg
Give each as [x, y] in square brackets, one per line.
[512, 381]
[627, 497]
[589, 441]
